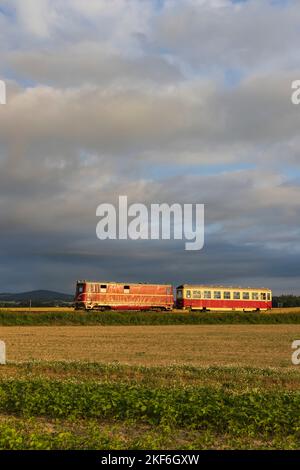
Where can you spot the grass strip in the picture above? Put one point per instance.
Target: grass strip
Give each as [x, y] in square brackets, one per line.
[144, 318]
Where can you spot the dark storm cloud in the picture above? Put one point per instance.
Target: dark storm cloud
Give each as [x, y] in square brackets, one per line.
[219, 263]
[109, 98]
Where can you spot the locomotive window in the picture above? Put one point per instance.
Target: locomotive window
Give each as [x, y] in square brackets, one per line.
[246, 295]
[255, 296]
[80, 289]
[179, 294]
[126, 289]
[188, 294]
[217, 294]
[263, 296]
[236, 295]
[196, 294]
[207, 294]
[268, 296]
[103, 288]
[227, 295]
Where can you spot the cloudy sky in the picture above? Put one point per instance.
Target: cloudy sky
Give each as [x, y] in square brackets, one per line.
[183, 101]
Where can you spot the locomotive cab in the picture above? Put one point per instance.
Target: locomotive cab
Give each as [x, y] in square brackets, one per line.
[80, 295]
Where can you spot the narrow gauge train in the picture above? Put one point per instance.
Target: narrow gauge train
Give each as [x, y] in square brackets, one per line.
[118, 296]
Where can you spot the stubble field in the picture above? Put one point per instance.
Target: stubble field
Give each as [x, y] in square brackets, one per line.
[198, 345]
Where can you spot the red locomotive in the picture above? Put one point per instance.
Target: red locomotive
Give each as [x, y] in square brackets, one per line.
[117, 296]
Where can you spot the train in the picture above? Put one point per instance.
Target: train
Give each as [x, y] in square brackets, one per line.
[91, 295]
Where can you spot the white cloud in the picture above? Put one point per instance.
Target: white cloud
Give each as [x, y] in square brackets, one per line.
[35, 16]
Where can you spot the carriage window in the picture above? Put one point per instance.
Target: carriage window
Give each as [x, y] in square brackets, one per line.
[126, 289]
[196, 294]
[268, 296]
[263, 296]
[103, 288]
[227, 295]
[179, 294]
[188, 294]
[246, 295]
[217, 294]
[207, 294]
[255, 296]
[236, 295]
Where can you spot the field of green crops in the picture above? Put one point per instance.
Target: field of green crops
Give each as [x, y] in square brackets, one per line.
[47, 405]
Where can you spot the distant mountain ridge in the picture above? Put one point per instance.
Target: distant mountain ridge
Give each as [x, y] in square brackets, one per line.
[42, 296]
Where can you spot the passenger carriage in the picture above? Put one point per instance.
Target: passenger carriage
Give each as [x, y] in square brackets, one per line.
[212, 297]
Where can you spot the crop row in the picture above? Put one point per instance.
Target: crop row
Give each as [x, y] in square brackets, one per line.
[144, 318]
[19, 433]
[194, 407]
[232, 378]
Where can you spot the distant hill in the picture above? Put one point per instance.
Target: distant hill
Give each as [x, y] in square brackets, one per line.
[37, 297]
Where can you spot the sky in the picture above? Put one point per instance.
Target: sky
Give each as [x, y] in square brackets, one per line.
[163, 101]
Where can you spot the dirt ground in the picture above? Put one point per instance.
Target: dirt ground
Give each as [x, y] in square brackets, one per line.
[247, 345]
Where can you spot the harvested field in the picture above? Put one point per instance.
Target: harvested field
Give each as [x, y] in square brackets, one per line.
[198, 345]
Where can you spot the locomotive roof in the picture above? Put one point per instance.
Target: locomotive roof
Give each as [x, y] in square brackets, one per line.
[213, 286]
[122, 283]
